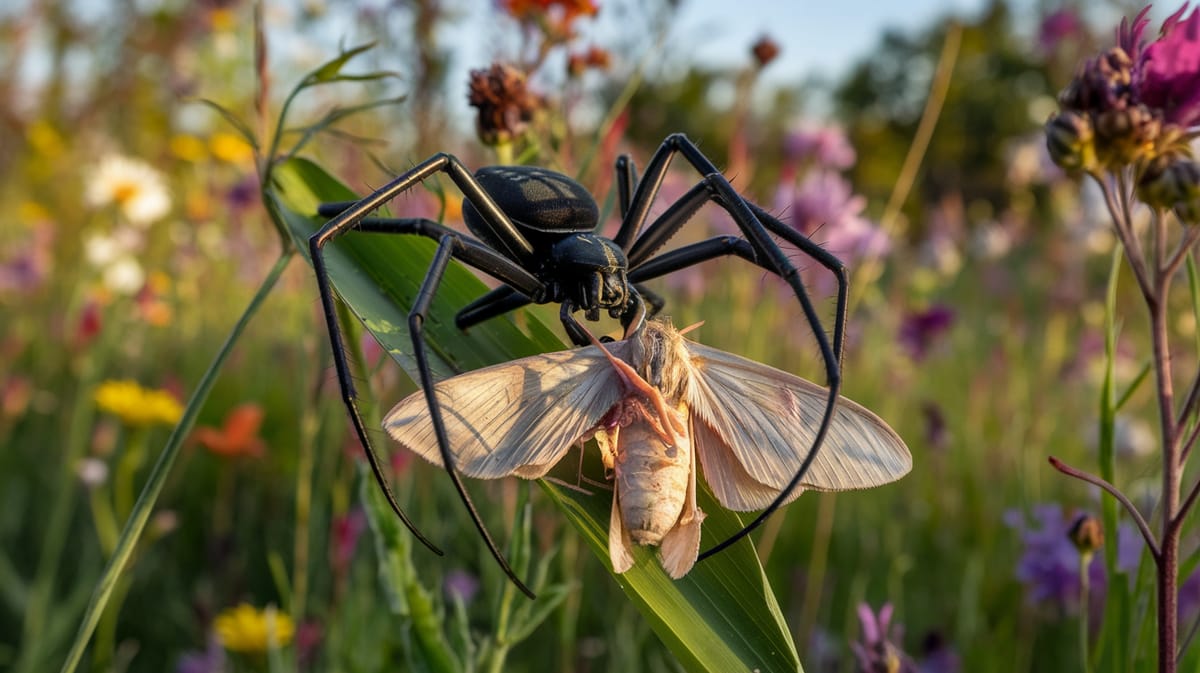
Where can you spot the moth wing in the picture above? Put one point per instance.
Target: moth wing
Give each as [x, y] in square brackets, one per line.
[753, 426]
[516, 418]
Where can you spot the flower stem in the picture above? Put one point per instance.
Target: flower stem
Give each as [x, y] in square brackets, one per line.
[1085, 559]
[162, 467]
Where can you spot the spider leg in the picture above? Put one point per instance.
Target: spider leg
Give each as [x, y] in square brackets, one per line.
[416, 321]
[766, 253]
[495, 263]
[654, 301]
[496, 302]
[451, 244]
[626, 182]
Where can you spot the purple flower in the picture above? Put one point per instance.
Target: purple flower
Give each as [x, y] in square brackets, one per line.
[461, 585]
[938, 656]
[825, 201]
[919, 330]
[211, 660]
[1058, 26]
[877, 653]
[1049, 565]
[827, 146]
[1166, 75]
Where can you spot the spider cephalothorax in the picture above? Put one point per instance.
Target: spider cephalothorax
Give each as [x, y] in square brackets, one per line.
[537, 232]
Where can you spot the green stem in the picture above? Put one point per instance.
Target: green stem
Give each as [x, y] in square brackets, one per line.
[1084, 585]
[132, 457]
[158, 476]
[62, 506]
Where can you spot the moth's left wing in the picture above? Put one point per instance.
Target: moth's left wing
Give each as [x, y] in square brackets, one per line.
[753, 425]
[516, 418]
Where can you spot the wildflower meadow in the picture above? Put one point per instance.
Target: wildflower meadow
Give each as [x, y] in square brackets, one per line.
[1012, 191]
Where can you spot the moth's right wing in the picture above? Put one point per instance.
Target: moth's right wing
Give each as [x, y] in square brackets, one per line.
[516, 418]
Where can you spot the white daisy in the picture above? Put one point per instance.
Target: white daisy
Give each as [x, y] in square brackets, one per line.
[133, 185]
[124, 276]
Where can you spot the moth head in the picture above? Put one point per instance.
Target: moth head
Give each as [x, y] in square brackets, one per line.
[660, 355]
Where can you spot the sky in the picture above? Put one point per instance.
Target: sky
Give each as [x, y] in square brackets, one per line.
[822, 39]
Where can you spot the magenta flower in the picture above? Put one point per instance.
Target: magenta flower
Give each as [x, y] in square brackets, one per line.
[346, 530]
[1166, 74]
[1058, 26]
[920, 330]
[877, 653]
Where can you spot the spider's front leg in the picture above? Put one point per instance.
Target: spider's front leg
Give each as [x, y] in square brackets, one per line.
[451, 244]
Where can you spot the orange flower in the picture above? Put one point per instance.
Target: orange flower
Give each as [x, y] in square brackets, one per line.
[238, 436]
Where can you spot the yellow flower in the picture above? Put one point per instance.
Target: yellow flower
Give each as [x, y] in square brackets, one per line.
[136, 405]
[231, 147]
[188, 148]
[250, 630]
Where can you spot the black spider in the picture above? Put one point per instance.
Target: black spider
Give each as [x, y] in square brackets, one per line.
[536, 232]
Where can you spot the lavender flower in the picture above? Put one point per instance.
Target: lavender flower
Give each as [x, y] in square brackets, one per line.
[877, 653]
[1049, 565]
[211, 660]
[461, 585]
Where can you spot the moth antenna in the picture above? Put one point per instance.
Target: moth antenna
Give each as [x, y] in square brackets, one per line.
[689, 328]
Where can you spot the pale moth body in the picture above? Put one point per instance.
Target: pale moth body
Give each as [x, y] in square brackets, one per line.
[661, 408]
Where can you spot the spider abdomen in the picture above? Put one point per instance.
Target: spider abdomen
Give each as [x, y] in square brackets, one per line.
[544, 205]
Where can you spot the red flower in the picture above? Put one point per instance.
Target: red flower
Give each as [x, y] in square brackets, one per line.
[239, 434]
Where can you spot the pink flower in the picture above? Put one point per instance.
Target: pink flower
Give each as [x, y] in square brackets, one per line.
[826, 146]
[1167, 71]
[1058, 26]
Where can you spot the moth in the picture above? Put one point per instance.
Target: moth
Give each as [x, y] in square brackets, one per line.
[659, 406]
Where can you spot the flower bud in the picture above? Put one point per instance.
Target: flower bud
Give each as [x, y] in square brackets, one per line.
[1170, 181]
[1070, 140]
[1087, 534]
[1126, 135]
[1102, 85]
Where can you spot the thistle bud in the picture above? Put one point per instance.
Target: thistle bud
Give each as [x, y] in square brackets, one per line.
[1172, 182]
[1087, 534]
[1102, 84]
[1126, 135]
[1070, 140]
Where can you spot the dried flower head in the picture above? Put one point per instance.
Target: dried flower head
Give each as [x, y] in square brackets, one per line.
[764, 50]
[504, 101]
